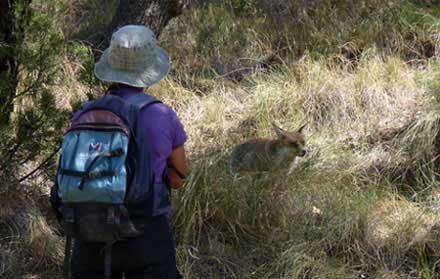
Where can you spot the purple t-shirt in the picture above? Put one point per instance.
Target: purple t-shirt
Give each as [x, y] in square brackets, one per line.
[164, 127]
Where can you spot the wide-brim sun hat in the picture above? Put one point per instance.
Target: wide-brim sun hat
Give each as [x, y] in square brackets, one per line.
[133, 58]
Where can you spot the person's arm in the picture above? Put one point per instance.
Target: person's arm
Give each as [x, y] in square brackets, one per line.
[177, 167]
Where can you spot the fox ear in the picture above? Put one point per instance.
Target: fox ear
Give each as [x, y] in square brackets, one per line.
[280, 132]
[300, 130]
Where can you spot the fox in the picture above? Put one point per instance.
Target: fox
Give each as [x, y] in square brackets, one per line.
[264, 154]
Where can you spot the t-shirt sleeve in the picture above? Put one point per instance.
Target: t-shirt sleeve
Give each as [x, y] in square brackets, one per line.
[178, 135]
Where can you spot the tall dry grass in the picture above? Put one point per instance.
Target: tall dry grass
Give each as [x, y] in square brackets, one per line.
[30, 246]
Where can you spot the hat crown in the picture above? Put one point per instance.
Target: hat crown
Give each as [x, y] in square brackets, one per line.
[133, 58]
[131, 48]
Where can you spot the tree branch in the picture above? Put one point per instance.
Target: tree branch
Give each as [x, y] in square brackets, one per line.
[39, 166]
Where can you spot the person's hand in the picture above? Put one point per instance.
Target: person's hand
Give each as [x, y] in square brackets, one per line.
[174, 179]
[177, 168]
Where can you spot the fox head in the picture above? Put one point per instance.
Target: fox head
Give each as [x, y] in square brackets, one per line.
[292, 143]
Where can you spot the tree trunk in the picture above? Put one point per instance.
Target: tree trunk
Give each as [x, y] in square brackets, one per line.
[8, 61]
[12, 24]
[152, 13]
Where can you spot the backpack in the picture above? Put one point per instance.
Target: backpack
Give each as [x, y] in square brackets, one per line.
[104, 187]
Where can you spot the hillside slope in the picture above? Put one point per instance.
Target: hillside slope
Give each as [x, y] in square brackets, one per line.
[362, 204]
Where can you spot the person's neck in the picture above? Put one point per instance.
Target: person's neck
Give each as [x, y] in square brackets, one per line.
[116, 86]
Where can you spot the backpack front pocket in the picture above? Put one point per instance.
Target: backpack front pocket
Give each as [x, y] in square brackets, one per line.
[93, 166]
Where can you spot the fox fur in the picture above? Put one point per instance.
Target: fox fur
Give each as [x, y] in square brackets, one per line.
[264, 154]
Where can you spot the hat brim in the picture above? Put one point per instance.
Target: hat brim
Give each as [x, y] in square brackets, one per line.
[157, 69]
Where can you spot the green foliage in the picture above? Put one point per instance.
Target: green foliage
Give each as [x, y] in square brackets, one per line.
[36, 124]
[80, 53]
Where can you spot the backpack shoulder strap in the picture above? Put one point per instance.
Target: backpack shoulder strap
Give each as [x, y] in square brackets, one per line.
[142, 100]
[85, 105]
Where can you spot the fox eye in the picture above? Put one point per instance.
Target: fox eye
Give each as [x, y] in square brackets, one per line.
[294, 144]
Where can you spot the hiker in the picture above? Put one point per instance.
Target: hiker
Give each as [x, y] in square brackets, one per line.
[132, 63]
